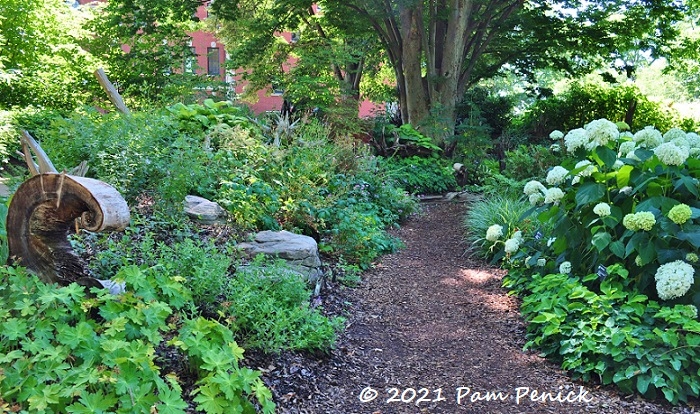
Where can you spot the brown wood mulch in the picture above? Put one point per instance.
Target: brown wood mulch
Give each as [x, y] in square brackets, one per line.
[430, 330]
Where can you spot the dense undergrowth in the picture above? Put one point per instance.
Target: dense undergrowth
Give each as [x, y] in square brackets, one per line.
[603, 251]
[191, 296]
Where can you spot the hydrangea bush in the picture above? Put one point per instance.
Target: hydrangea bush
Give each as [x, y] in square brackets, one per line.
[624, 201]
[628, 198]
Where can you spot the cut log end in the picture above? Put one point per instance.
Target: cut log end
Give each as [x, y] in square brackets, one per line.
[43, 211]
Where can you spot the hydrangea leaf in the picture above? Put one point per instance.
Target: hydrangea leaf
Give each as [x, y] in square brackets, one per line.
[605, 156]
[589, 193]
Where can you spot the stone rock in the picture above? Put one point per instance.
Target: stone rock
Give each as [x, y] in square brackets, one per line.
[203, 210]
[299, 251]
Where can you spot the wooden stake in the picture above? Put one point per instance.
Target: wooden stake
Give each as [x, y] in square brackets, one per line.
[112, 92]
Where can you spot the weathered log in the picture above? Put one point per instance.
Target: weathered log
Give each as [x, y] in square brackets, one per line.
[42, 212]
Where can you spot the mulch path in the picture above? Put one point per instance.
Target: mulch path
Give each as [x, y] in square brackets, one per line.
[430, 330]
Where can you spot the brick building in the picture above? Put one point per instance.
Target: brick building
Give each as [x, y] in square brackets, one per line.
[211, 60]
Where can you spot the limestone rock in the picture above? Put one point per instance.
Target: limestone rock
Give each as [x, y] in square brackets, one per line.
[300, 252]
[203, 210]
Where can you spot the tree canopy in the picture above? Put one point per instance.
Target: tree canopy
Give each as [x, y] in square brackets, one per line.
[440, 48]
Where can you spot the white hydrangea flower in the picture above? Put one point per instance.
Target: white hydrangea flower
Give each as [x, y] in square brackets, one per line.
[556, 135]
[575, 139]
[511, 246]
[518, 235]
[556, 175]
[553, 195]
[674, 133]
[626, 135]
[681, 142]
[541, 262]
[494, 232]
[693, 139]
[600, 132]
[586, 172]
[671, 154]
[535, 198]
[649, 137]
[627, 147]
[602, 209]
[617, 165]
[693, 310]
[674, 279]
[533, 187]
[565, 268]
[555, 148]
[694, 152]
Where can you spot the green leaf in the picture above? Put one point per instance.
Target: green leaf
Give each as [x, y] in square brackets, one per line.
[606, 156]
[643, 382]
[623, 175]
[210, 400]
[647, 252]
[601, 240]
[689, 183]
[93, 403]
[589, 193]
[618, 249]
[692, 237]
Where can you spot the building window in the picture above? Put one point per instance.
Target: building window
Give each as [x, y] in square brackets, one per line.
[277, 90]
[191, 61]
[213, 64]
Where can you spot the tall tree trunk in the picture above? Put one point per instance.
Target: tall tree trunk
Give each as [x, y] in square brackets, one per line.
[416, 105]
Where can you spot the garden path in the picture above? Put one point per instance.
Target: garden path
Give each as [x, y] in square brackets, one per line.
[429, 317]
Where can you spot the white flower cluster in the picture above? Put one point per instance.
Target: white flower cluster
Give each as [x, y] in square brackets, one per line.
[565, 268]
[575, 139]
[556, 135]
[600, 132]
[649, 137]
[512, 246]
[586, 172]
[556, 175]
[494, 232]
[533, 187]
[553, 195]
[602, 209]
[626, 147]
[671, 154]
[673, 134]
[535, 191]
[674, 279]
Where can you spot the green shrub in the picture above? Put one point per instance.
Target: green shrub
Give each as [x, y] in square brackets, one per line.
[583, 103]
[268, 306]
[134, 154]
[616, 236]
[530, 161]
[612, 334]
[59, 358]
[420, 175]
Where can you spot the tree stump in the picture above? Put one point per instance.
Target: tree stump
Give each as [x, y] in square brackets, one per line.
[43, 211]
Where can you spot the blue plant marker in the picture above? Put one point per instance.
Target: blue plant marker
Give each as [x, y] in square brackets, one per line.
[538, 235]
[602, 272]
